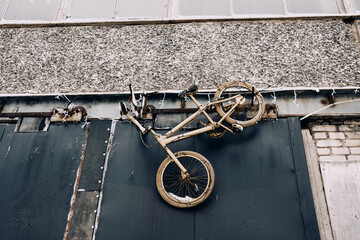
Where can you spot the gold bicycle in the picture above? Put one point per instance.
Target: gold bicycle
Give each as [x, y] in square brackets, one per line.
[185, 179]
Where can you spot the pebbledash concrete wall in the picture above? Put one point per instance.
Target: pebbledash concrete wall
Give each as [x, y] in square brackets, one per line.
[311, 53]
[333, 156]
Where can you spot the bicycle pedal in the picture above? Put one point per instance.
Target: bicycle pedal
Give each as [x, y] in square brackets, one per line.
[237, 127]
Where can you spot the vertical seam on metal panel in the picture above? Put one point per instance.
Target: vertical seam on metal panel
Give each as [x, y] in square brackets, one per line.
[196, 149]
[76, 188]
[304, 213]
[2, 133]
[296, 177]
[194, 230]
[97, 217]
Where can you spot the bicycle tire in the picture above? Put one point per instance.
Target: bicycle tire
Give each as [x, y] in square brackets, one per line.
[246, 90]
[189, 192]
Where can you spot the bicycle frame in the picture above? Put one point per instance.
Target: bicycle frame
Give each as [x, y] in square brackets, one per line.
[166, 139]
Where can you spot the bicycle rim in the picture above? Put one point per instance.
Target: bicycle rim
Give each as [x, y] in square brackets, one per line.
[188, 192]
[246, 114]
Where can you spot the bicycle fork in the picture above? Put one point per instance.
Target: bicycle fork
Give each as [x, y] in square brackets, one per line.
[184, 173]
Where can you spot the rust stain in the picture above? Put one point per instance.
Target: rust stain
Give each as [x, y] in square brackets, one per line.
[76, 188]
[97, 217]
[78, 113]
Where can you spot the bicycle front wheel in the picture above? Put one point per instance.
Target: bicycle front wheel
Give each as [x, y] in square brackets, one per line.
[189, 191]
[246, 114]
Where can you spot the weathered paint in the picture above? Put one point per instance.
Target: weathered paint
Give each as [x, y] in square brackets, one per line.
[317, 187]
[342, 188]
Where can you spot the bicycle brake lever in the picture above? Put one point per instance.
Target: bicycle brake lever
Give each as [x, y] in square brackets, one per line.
[133, 104]
[238, 127]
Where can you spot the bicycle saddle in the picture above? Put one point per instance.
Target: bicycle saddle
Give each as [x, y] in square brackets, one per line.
[192, 89]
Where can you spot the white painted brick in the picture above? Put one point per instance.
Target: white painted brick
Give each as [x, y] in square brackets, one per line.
[352, 143]
[352, 134]
[349, 128]
[340, 151]
[323, 151]
[329, 143]
[324, 128]
[332, 158]
[355, 150]
[320, 135]
[336, 135]
[353, 158]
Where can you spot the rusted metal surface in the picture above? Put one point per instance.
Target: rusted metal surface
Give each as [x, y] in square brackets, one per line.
[77, 113]
[37, 176]
[106, 106]
[98, 210]
[25, 114]
[8, 120]
[32, 124]
[76, 188]
[271, 110]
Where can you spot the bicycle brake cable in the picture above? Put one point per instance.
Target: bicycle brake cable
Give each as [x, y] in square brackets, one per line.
[143, 142]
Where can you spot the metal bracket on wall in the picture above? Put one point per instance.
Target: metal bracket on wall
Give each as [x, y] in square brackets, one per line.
[75, 114]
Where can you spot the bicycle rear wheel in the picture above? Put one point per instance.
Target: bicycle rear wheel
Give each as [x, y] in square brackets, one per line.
[247, 113]
[190, 191]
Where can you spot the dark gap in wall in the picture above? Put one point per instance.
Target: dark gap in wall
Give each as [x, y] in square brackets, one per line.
[349, 20]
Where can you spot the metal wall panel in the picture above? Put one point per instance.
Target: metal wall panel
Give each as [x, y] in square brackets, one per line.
[261, 189]
[37, 176]
[96, 148]
[131, 206]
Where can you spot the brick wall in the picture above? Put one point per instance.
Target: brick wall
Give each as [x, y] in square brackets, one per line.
[337, 145]
[337, 142]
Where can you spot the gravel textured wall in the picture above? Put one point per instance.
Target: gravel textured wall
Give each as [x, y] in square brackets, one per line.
[171, 56]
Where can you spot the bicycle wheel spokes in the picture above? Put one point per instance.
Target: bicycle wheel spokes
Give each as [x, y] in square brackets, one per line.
[185, 191]
[189, 186]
